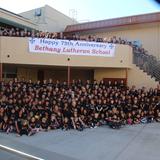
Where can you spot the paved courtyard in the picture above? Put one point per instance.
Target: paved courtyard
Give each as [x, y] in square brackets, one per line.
[138, 142]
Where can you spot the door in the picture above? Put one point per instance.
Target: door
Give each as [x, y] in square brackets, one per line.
[40, 75]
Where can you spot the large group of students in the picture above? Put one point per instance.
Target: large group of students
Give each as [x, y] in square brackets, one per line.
[28, 107]
[17, 32]
[11, 31]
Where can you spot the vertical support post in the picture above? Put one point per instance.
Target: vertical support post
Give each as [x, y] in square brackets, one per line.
[1, 71]
[126, 76]
[69, 75]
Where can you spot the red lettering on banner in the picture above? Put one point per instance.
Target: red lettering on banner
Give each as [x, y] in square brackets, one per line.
[67, 47]
[36, 47]
[73, 50]
[94, 51]
[48, 49]
[39, 48]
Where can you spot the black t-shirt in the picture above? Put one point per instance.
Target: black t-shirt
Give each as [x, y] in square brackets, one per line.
[67, 113]
[19, 123]
[32, 125]
[99, 108]
[44, 125]
[95, 120]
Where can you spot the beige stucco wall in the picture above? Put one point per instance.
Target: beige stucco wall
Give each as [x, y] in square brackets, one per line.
[50, 20]
[134, 76]
[139, 78]
[27, 73]
[148, 34]
[101, 73]
[15, 50]
[30, 72]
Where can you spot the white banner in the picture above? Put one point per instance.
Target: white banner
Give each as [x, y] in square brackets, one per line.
[71, 47]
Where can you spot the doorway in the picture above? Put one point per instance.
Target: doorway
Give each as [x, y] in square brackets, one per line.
[40, 75]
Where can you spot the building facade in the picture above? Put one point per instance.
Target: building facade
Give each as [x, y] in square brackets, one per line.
[144, 29]
[48, 19]
[16, 60]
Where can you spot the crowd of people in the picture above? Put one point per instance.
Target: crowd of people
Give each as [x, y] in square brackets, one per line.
[28, 107]
[17, 32]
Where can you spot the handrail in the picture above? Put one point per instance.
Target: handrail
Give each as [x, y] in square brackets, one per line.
[147, 63]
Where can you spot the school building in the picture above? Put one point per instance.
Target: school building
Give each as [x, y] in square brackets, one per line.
[17, 60]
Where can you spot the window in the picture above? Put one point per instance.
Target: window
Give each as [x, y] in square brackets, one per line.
[11, 75]
[9, 72]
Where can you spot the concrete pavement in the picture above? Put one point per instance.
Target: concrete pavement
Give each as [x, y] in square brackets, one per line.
[140, 142]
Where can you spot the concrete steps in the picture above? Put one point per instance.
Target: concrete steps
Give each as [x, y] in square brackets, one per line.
[139, 78]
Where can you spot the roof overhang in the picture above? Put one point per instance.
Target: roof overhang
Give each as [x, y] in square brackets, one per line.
[15, 19]
[116, 22]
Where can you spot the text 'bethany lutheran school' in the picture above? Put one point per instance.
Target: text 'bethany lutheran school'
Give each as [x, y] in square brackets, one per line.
[67, 47]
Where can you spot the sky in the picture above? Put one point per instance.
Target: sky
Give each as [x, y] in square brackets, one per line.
[86, 10]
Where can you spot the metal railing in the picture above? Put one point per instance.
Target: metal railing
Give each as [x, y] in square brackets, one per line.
[148, 63]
